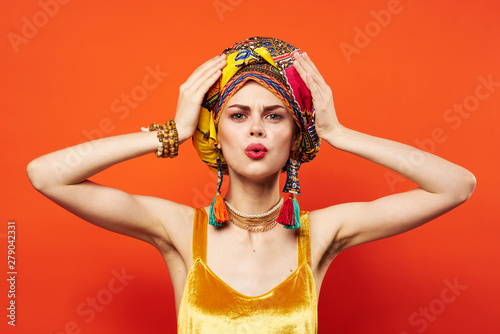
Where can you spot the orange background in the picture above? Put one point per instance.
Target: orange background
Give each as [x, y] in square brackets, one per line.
[60, 82]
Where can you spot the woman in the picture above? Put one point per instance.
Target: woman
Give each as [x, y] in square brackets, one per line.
[264, 106]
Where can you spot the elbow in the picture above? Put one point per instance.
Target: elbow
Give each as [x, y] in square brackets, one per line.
[465, 187]
[34, 170]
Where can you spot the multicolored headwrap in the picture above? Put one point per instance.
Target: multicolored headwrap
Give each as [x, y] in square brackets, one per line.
[267, 61]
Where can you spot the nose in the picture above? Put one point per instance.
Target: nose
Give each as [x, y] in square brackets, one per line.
[258, 133]
[256, 129]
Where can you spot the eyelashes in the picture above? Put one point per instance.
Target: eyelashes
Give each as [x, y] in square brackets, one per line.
[237, 116]
[275, 117]
[242, 116]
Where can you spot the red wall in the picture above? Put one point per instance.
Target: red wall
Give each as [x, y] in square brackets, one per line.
[398, 69]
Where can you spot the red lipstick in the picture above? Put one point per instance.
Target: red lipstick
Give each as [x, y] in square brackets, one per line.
[256, 151]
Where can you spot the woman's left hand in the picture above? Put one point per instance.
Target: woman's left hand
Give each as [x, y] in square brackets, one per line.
[325, 117]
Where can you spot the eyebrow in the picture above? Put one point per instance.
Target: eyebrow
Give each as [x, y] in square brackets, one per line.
[247, 108]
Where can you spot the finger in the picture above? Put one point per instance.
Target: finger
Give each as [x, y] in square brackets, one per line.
[199, 88]
[316, 93]
[205, 71]
[309, 80]
[206, 84]
[309, 61]
[309, 67]
[216, 58]
[303, 68]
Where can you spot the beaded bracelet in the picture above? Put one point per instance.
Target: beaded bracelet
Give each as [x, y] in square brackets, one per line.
[168, 137]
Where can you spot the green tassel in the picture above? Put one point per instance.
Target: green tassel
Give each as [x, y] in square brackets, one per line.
[296, 209]
[296, 216]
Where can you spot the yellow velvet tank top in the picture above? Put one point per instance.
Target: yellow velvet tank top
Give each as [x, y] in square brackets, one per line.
[209, 305]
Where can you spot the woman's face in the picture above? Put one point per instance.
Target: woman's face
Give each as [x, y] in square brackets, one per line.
[255, 132]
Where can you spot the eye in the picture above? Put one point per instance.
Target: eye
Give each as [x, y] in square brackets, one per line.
[237, 116]
[274, 117]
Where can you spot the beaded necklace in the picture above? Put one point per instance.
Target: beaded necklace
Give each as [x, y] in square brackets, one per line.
[255, 223]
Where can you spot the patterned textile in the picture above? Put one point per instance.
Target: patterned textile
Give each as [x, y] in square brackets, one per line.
[267, 61]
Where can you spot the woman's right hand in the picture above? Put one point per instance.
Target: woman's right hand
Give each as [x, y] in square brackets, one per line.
[191, 94]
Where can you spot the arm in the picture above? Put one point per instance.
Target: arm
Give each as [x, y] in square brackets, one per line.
[57, 176]
[442, 184]
[63, 175]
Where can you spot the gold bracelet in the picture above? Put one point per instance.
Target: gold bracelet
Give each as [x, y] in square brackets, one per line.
[168, 138]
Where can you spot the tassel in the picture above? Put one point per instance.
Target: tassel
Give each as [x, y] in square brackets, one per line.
[296, 210]
[218, 211]
[286, 216]
[211, 216]
[289, 215]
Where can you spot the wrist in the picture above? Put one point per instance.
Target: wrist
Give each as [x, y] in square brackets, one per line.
[168, 137]
[184, 132]
[336, 136]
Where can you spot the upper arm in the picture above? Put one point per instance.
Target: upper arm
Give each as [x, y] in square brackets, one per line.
[146, 218]
[350, 224]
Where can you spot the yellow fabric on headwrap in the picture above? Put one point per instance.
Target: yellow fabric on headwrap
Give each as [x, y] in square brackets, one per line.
[234, 65]
[269, 62]
[205, 140]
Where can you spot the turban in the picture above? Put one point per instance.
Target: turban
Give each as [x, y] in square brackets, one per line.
[267, 61]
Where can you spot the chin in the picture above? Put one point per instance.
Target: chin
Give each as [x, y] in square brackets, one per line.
[255, 171]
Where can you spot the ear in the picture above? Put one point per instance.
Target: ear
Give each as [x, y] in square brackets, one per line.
[295, 141]
[218, 141]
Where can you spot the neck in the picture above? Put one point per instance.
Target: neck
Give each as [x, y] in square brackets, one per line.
[253, 196]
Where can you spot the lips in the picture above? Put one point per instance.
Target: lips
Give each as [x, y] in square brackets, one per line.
[256, 151]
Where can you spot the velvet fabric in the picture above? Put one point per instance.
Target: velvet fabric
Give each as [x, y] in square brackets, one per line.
[209, 305]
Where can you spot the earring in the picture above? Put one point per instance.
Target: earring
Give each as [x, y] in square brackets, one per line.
[289, 215]
[218, 211]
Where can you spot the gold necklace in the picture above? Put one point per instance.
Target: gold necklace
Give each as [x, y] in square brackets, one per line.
[255, 223]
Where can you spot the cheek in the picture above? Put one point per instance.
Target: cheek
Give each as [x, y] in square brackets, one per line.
[223, 135]
[220, 133]
[284, 140]
[289, 136]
